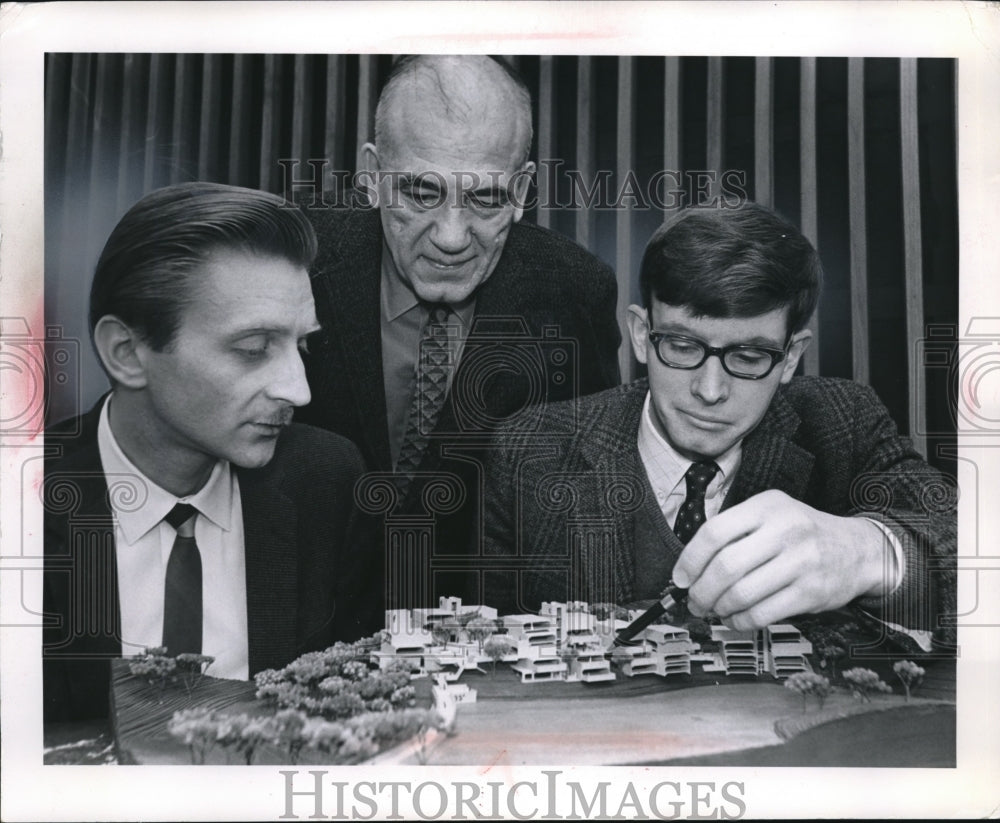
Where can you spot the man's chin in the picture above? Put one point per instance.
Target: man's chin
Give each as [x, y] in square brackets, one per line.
[254, 457]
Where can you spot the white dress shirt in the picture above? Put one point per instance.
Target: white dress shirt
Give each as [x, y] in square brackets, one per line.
[143, 541]
[665, 469]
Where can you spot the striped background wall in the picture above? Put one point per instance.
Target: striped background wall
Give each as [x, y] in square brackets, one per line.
[859, 152]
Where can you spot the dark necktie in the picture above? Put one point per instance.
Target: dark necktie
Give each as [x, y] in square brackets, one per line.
[429, 391]
[692, 513]
[182, 592]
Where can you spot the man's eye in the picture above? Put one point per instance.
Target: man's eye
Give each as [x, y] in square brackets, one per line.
[253, 349]
[680, 346]
[749, 357]
[424, 198]
[486, 203]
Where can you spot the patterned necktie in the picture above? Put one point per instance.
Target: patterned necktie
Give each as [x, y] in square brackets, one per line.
[692, 513]
[429, 391]
[182, 592]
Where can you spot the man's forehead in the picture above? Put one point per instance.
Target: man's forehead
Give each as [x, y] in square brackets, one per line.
[770, 326]
[240, 289]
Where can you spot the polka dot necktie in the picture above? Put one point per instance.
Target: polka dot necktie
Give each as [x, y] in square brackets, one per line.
[692, 513]
[429, 391]
[182, 590]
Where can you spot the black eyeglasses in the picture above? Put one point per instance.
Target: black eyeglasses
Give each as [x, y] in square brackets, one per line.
[746, 362]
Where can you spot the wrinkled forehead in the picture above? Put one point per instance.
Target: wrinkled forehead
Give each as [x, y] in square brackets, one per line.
[453, 126]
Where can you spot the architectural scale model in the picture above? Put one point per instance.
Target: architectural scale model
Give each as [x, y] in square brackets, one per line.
[567, 642]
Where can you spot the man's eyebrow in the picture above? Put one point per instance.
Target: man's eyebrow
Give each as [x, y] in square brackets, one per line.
[757, 340]
[423, 180]
[252, 331]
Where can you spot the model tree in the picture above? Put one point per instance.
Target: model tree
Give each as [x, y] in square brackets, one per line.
[440, 634]
[479, 629]
[809, 683]
[830, 651]
[910, 673]
[864, 683]
[497, 648]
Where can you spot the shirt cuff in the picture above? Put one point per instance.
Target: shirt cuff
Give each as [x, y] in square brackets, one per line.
[897, 549]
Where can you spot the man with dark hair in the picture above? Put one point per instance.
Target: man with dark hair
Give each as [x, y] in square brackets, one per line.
[185, 510]
[445, 313]
[806, 496]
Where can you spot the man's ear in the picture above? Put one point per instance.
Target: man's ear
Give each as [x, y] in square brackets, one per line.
[121, 351]
[638, 330]
[367, 178]
[519, 188]
[796, 348]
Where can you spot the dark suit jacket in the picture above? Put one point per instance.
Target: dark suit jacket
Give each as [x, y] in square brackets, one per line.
[574, 515]
[544, 329]
[311, 575]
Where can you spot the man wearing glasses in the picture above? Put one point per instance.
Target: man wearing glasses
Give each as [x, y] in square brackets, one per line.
[810, 498]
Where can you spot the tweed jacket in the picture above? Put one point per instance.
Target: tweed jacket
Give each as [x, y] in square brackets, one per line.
[311, 576]
[544, 329]
[564, 513]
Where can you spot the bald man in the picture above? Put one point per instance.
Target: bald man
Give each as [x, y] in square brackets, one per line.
[433, 288]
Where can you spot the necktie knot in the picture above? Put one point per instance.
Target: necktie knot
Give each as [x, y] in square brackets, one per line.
[437, 314]
[699, 476]
[180, 514]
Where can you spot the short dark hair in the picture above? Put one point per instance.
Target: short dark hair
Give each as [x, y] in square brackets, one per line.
[732, 263]
[143, 274]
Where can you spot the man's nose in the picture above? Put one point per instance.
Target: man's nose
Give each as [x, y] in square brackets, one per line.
[711, 381]
[289, 383]
[451, 232]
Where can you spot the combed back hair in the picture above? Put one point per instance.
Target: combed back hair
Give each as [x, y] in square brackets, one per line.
[732, 263]
[144, 274]
[408, 64]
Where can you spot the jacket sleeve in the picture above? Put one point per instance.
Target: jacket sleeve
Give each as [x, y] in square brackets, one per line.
[899, 489]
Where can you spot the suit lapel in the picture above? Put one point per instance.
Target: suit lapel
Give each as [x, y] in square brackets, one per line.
[608, 446]
[272, 573]
[352, 280]
[79, 549]
[771, 460]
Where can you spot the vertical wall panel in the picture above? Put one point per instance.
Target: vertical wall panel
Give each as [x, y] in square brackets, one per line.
[179, 133]
[673, 124]
[301, 113]
[763, 143]
[367, 91]
[809, 220]
[546, 130]
[270, 110]
[155, 125]
[624, 163]
[208, 126]
[239, 120]
[130, 128]
[715, 124]
[335, 132]
[858, 216]
[585, 150]
[912, 239]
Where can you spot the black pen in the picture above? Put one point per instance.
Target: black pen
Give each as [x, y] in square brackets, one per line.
[672, 596]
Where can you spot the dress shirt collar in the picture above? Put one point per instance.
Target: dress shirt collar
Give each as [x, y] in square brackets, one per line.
[398, 298]
[137, 514]
[666, 468]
